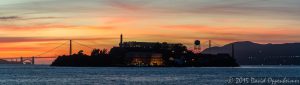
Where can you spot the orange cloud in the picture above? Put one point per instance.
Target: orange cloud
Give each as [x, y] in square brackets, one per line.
[233, 30]
[32, 27]
[19, 49]
[40, 39]
[125, 5]
[240, 33]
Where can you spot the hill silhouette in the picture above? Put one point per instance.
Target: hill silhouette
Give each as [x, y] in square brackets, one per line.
[250, 53]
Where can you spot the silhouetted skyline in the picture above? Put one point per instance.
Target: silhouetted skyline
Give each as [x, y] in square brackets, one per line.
[145, 54]
[33, 26]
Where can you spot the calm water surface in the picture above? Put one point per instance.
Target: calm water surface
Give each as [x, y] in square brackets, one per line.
[37, 75]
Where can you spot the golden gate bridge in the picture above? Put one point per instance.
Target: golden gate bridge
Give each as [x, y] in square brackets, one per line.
[32, 59]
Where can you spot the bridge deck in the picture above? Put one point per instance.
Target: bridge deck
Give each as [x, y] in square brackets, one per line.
[27, 57]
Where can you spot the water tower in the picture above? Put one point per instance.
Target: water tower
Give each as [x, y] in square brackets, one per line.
[197, 47]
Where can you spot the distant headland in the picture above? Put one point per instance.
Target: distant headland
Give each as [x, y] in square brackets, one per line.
[250, 53]
[145, 54]
[9, 62]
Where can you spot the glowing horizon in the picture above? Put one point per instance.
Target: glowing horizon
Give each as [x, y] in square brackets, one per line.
[31, 27]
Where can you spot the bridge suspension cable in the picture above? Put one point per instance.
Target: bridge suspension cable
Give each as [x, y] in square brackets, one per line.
[83, 45]
[51, 49]
[92, 42]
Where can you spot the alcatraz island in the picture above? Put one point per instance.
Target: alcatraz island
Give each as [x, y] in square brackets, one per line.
[145, 54]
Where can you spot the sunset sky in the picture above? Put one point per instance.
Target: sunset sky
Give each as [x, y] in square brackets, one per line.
[31, 27]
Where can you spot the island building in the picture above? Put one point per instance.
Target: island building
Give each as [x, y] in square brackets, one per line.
[147, 53]
[144, 59]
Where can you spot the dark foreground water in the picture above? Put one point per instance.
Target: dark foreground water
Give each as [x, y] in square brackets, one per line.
[40, 75]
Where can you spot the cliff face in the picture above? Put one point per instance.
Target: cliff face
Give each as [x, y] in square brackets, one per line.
[249, 53]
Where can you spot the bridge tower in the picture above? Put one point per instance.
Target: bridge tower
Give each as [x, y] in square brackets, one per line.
[33, 61]
[21, 59]
[121, 41]
[70, 47]
[209, 43]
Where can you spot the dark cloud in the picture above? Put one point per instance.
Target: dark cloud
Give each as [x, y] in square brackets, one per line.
[24, 39]
[33, 27]
[12, 18]
[6, 18]
[42, 18]
[42, 39]
[286, 9]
